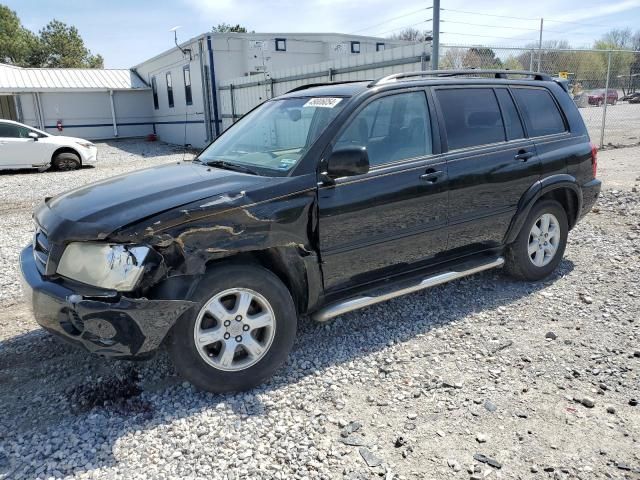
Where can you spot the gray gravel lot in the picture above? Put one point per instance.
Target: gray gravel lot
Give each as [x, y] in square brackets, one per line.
[622, 125]
[485, 377]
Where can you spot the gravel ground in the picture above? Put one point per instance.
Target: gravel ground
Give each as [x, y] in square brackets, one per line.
[485, 377]
[622, 126]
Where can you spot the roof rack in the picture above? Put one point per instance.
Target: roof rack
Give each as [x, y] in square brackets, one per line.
[454, 73]
[324, 84]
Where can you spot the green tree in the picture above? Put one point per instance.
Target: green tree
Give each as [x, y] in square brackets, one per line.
[225, 27]
[57, 45]
[512, 63]
[554, 57]
[60, 45]
[481, 57]
[16, 42]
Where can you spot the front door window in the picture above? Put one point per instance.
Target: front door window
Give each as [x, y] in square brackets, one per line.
[392, 128]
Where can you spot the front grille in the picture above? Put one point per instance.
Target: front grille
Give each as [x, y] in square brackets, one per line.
[40, 250]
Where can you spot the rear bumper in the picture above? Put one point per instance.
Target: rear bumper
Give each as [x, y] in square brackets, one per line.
[107, 324]
[590, 192]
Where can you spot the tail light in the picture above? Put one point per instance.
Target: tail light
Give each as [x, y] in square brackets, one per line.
[594, 159]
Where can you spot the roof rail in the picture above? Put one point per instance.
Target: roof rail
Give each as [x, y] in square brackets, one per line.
[324, 84]
[454, 73]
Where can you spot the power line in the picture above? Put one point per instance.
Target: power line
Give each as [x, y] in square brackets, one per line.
[492, 26]
[525, 18]
[391, 20]
[401, 28]
[488, 14]
[490, 36]
[515, 28]
[578, 23]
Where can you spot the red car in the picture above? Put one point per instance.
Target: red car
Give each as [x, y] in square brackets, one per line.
[596, 97]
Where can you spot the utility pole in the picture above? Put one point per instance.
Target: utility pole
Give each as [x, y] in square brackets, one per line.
[540, 44]
[435, 44]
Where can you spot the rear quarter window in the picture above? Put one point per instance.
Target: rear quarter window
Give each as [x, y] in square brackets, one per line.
[540, 111]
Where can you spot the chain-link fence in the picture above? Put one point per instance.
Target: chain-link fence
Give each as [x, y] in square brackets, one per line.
[604, 84]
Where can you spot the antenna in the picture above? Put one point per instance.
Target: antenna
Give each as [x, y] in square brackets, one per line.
[175, 39]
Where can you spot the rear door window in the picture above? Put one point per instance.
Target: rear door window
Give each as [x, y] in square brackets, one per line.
[540, 111]
[471, 117]
[510, 115]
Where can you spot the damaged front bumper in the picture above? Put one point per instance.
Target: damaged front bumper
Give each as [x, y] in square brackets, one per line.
[103, 322]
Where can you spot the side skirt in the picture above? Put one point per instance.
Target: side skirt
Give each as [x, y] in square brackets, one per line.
[405, 287]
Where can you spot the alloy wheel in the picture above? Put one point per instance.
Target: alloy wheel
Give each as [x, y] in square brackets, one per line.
[234, 329]
[544, 240]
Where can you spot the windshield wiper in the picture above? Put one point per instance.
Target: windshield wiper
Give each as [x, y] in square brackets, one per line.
[231, 166]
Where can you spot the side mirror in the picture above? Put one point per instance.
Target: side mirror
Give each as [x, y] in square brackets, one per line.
[347, 162]
[33, 135]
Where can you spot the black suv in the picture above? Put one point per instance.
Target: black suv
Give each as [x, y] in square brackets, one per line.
[318, 202]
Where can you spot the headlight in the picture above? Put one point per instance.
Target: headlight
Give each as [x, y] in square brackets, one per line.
[85, 144]
[116, 267]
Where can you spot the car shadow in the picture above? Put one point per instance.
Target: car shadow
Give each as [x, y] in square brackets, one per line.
[52, 390]
[31, 171]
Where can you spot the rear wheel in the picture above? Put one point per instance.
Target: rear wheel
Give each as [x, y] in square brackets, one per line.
[241, 333]
[66, 161]
[540, 245]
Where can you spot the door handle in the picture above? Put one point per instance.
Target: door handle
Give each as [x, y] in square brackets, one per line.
[523, 155]
[431, 175]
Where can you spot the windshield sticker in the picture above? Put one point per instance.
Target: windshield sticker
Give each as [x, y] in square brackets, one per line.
[323, 102]
[286, 163]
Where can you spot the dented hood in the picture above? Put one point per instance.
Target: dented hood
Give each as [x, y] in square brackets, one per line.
[95, 210]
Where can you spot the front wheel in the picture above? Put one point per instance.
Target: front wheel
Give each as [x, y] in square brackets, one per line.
[540, 245]
[241, 332]
[66, 161]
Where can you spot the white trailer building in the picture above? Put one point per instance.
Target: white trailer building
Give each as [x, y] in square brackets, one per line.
[87, 103]
[186, 108]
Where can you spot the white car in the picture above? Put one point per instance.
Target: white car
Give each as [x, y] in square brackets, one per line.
[22, 146]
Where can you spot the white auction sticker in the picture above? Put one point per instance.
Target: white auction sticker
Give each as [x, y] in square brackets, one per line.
[323, 102]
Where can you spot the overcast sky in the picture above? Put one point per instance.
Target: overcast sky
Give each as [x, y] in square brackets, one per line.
[126, 32]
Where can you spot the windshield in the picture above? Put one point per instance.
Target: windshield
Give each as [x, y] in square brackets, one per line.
[275, 136]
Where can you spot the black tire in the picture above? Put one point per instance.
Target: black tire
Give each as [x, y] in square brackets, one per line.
[66, 161]
[186, 357]
[518, 262]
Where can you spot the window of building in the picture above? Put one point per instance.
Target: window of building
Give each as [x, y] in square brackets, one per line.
[510, 115]
[281, 44]
[169, 90]
[355, 47]
[392, 128]
[379, 46]
[540, 111]
[186, 73]
[471, 117]
[154, 90]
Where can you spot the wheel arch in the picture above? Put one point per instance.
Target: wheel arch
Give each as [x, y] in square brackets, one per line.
[563, 188]
[288, 265]
[65, 149]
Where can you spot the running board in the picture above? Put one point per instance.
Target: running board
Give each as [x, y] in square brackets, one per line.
[333, 310]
